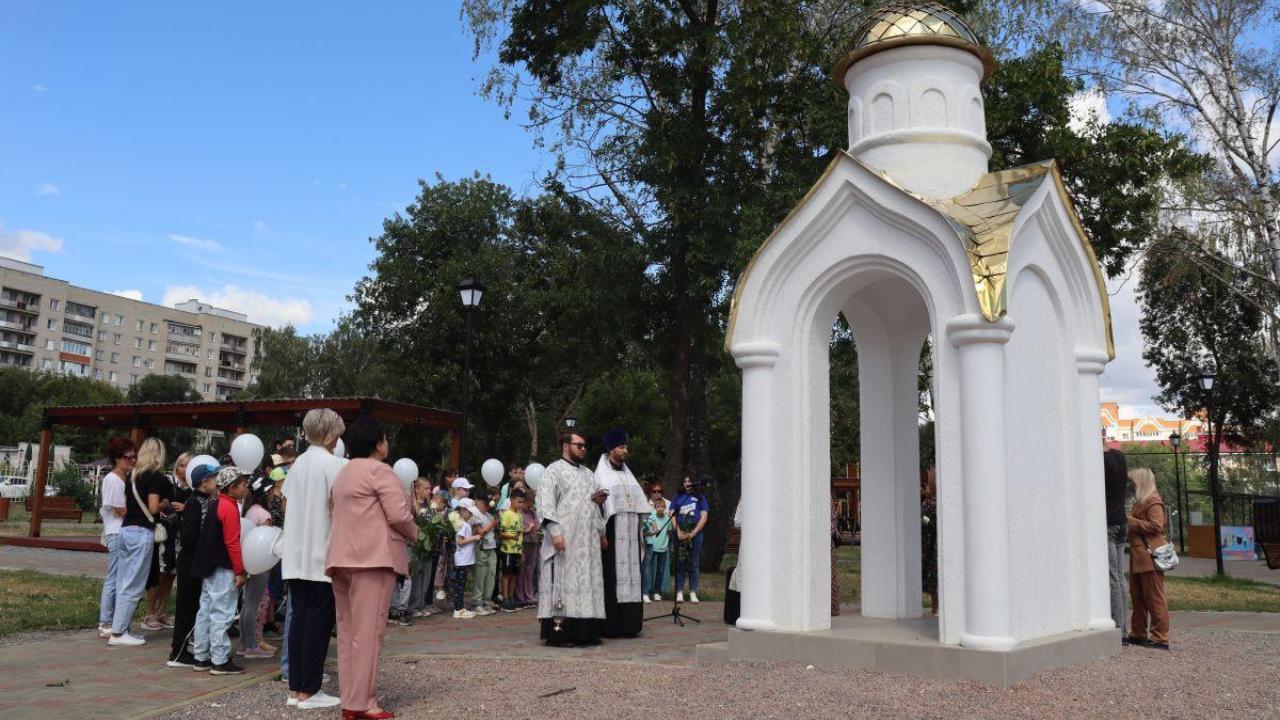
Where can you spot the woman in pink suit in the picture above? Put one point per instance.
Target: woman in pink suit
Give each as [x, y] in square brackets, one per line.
[368, 544]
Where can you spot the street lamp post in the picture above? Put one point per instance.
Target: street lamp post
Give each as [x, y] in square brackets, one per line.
[1175, 440]
[471, 290]
[1207, 376]
[570, 422]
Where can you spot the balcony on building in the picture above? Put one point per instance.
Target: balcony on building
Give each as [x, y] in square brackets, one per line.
[184, 369]
[88, 312]
[231, 344]
[16, 346]
[20, 301]
[8, 359]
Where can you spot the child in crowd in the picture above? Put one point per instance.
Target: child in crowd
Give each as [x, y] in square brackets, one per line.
[221, 568]
[657, 529]
[253, 613]
[464, 557]
[204, 486]
[527, 583]
[486, 569]
[511, 533]
[425, 553]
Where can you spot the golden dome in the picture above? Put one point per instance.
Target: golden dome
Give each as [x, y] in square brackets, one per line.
[922, 23]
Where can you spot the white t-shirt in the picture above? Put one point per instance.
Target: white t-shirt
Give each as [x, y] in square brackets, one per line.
[465, 555]
[112, 497]
[306, 526]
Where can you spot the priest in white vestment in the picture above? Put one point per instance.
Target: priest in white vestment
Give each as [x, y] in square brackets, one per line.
[625, 510]
[571, 583]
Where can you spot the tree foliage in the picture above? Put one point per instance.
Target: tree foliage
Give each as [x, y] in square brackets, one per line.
[25, 394]
[1194, 317]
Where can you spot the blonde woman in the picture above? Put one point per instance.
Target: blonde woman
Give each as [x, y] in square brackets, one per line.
[164, 561]
[136, 545]
[1150, 622]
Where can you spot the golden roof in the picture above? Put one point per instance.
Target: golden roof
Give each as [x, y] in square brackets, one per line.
[982, 218]
[921, 23]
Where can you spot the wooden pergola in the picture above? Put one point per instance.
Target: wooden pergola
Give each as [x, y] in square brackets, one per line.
[233, 417]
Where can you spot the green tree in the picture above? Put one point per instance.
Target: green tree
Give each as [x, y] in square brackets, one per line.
[282, 364]
[25, 394]
[560, 304]
[1194, 316]
[167, 389]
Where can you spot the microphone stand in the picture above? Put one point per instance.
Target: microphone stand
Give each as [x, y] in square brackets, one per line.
[676, 616]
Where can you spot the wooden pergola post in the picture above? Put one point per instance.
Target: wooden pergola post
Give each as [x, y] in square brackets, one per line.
[455, 450]
[42, 479]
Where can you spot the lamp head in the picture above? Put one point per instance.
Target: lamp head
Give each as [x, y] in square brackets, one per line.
[471, 290]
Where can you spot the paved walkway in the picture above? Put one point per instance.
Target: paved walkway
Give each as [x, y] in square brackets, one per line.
[58, 562]
[1256, 570]
[75, 676]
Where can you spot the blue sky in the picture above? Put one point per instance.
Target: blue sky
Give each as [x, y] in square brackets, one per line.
[247, 150]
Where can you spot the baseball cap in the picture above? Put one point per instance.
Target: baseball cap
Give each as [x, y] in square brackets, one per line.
[462, 483]
[467, 503]
[228, 475]
[200, 472]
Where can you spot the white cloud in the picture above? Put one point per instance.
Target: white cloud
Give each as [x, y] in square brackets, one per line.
[1128, 380]
[260, 308]
[39, 88]
[197, 243]
[1087, 106]
[131, 294]
[48, 189]
[19, 244]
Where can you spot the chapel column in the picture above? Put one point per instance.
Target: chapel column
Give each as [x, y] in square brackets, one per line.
[760, 519]
[988, 622]
[1093, 533]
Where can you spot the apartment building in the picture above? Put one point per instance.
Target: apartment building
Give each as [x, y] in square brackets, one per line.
[1147, 429]
[51, 325]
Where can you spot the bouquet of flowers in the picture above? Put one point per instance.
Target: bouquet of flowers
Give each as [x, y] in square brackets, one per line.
[432, 527]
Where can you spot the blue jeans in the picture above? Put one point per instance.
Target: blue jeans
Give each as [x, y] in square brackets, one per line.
[135, 546]
[218, 595]
[284, 642]
[695, 557]
[655, 579]
[107, 603]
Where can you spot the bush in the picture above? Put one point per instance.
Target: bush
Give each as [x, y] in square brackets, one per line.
[70, 483]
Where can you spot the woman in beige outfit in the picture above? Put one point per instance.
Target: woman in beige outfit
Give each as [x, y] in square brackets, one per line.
[368, 545]
[1150, 623]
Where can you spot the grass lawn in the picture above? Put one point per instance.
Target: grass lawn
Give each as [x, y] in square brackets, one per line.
[16, 525]
[1221, 594]
[31, 600]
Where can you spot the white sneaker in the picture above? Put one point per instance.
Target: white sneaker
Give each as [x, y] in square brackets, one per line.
[657, 597]
[319, 700]
[292, 701]
[482, 610]
[104, 631]
[126, 640]
[463, 614]
[693, 598]
[680, 596]
[440, 595]
[645, 598]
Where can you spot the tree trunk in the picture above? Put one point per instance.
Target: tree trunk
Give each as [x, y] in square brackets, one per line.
[673, 459]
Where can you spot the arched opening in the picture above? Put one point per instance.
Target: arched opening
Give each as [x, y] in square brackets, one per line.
[882, 324]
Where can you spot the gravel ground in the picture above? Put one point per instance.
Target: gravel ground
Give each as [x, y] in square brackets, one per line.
[1207, 675]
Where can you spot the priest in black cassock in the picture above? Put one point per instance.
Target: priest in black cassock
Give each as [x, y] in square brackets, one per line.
[625, 510]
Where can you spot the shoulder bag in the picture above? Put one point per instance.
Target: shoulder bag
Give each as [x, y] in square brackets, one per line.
[160, 534]
[1165, 557]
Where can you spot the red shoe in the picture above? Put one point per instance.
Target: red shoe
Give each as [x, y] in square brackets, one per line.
[366, 715]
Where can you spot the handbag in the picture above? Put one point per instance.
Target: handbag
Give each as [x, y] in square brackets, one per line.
[1165, 557]
[160, 534]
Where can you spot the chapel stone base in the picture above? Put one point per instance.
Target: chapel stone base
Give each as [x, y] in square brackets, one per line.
[911, 647]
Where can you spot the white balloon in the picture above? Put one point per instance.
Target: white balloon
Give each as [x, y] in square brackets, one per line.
[247, 451]
[340, 450]
[196, 462]
[492, 471]
[256, 549]
[406, 470]
[533, 475]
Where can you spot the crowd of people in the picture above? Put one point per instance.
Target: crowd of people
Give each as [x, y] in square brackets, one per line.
[358, 551]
